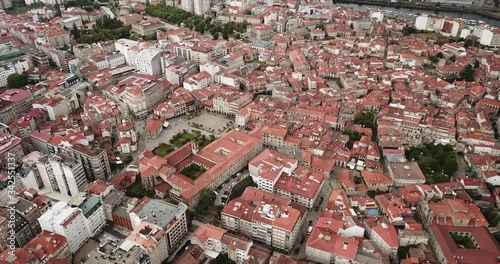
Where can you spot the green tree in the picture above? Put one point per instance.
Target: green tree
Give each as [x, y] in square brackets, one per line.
[222, 259]
[468, 74]
[17, 80]
[239, 188]
[440, 154]
[58, 10]
[320, 26]
[409, 30]
[453, 58]
[75, 32]
[127, 159]
[440, 55]
[468, 42]
[225, 35]
[207, 198]
[433, 59]
[353, 135]
[365, 119]
[450, 165]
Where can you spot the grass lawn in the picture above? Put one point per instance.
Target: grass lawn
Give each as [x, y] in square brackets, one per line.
[184, 137]
[193, 171]
[438, 38]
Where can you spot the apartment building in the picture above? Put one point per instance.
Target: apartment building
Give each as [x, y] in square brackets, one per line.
[238, 249]
[178, 73]
[20, 230]
[198, 81]
[335, 236]
[29, 211]
[279, 174]
[68, 222]
[111, 197]
[58, 37]
[229, 102]
[264, 217]
[95, 161]
[62, 174]
[10, 147]
[145, 58]
[193, 52]
[22, 99]
[48, 245]
[197, 7]
[152, 239]
[180, 103]
[92, 209]
[169, 217]
[143, 93]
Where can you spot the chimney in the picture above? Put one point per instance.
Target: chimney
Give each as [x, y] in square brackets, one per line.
[345, 245]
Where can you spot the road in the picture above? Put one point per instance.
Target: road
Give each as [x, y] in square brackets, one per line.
[228, 186]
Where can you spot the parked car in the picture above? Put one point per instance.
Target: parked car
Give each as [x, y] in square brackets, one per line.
[226, 193]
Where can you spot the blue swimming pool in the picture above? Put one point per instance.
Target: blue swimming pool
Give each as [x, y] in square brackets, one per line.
[372, 212]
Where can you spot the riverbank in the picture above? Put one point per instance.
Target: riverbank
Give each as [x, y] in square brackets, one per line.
[426, 6]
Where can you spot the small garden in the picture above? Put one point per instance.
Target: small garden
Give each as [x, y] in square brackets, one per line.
[437, 162]
[163, 149]
[463, 241]
[181, 138]
[136, 190]
[241, 186]
[193, 171]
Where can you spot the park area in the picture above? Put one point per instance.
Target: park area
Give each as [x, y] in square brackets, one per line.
[181, 138]
[437, 162]
[193, 171]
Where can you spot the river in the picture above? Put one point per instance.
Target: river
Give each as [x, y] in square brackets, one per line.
[411, 13]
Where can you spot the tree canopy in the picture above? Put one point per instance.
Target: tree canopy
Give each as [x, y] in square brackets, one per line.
[365, 119]
[468, 74]
[17, 80]
[104, 29]
[353, 135]
[437, 162]
[207, 198]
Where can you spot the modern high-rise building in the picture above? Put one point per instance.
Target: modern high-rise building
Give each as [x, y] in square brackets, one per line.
[95, 161]
[92, 209]
[144, 57]
[198, 7]
[66, 221]
[61, 173]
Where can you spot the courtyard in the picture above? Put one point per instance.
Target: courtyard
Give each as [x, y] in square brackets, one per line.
[193, 171]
